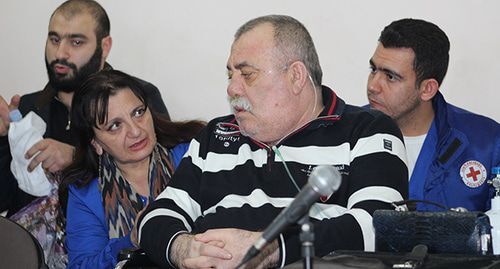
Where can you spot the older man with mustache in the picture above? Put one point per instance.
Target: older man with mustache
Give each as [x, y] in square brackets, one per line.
[243, 169]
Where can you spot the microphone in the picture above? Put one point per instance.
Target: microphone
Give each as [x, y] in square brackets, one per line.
[323, 181]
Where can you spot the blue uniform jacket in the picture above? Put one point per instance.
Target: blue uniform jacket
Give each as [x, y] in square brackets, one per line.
[455, 162]
[87, 238]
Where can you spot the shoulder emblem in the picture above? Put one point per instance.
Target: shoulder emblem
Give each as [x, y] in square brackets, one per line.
[473, 173]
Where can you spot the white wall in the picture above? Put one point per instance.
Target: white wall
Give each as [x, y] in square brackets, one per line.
[182, 46]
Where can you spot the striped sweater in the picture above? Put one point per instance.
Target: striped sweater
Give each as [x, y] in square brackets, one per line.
[227, 180]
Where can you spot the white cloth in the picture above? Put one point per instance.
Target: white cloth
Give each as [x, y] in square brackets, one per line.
[413, 146]
[23, 135]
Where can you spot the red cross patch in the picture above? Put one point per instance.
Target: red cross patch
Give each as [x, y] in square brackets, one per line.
[473, 174]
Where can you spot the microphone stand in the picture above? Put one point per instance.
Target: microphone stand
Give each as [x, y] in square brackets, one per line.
[307, 240]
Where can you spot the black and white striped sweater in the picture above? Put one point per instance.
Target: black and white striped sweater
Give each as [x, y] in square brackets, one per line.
[227, 180]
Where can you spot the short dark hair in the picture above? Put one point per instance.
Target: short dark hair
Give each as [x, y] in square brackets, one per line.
[292, 39]
[429, 43]
[71, 8]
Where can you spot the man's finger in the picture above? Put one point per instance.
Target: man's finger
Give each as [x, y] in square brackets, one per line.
[14, 102]
[42, 157]
[50, 164]
[214, 252]
[216, 243]
[39, 146]
[38, 160]
[3, 128]
[211, 241]
[4, 112]
[33, 164]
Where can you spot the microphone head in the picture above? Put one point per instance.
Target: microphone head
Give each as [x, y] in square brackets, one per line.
[325, 179]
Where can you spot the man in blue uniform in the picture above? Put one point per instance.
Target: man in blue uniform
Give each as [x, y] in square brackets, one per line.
[450, 151]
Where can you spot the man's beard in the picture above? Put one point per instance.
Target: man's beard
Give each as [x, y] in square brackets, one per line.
[70, 82]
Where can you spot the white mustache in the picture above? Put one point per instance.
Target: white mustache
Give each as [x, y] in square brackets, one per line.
[240, 103]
